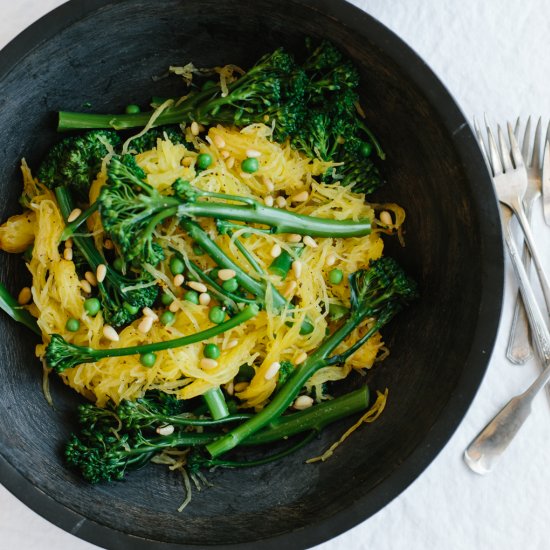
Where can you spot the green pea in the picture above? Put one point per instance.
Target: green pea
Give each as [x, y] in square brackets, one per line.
[336, 276]
[230, 285]
[250, 165]
[204, 160]
[166, 299]
[118, 264]
[130, 308]
[216, 315]
[191, 296]
[214, 273]
[147, 359]
[366, 149]
[177, 267]
[92, 306]
[72, 324]
[133, 109]
[212, 351]
[167, 318]
[197, 250]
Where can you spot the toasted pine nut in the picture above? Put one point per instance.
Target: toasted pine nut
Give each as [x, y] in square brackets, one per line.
[294, 238]
[241, 386]
[24, 296]
[308, 241]
[280, 201]
[101, 273]
[272, 370]
[110, 333]
[199, 287]
[74, 214]
[290, 288]
[108, 244]
[146, 324]
[207, 363]
[219, 142]
[269, 185]
[174, 306]
[232, 344]
[148, 312]
[69, 243]
[68, 254]
[385, 217]
[186, 161]
[276, 251]
[331, 259]
[300, 358]
[91, 278]
[226, 274]
[303, 402]
[165, 430]
[230, 388]
[178, 279]
[300, 197]
[297, 268]
[85, 286]
[230, 162]
[225, 154]
[195, 128]
[253, 153]
[204, 299]
[269, 200]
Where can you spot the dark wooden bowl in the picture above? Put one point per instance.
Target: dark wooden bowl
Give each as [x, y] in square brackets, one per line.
[105, 52]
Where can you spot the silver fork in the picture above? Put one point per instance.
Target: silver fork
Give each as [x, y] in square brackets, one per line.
[519, 347]
[546, 180]
[510, 182]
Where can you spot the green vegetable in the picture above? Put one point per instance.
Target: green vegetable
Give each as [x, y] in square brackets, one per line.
[147, 359]
[281, 265]
[250, 165]
[336, 276]
[148, 141]
[230, 285]
[119, 305]
[166, 299]
[61, 355]
[18, 313]
[212, 351]
[216, 314]
[167, 318]
[191, 296]
[132, 109]
[378, 293]
[204, 160]
[72, 324]
[216, 403]
[92, 306]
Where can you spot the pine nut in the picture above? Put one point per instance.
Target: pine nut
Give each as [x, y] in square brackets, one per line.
[230, 388]
[225, 154]
[108, 244]
[186, 161]
[290, 288]
[174, 306]
[241, 386]
[276, 251]
[74, 215]
[308, 241]
[297, 268]
[24, 296]
[253, 153]
[199, 287]
[385, 217]
[331, 259]
[204, 299]
[86, 286]
[219, 142]
[272, 370]
[226, 274]
[303, 402]
[269, 200]
[68, 254]
[146, 324]
[294, 238]
[269, 185]
[148, 312]
[207, 363]
[101, 273]
[69, 243]
[165, 430]
[178, 279]
[300, 358]
[230, 162]
[300, 197]
[280, 201]
[110, 333]
[91, 278]
[194, 128]
[232, 344]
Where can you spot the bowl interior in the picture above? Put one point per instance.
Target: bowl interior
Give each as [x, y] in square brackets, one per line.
[439, 347]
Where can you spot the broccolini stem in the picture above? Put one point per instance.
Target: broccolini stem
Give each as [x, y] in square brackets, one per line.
[18, 313]
[71, 227]
[216, 403]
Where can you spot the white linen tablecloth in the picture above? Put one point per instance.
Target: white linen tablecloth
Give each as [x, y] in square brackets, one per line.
[493, 57]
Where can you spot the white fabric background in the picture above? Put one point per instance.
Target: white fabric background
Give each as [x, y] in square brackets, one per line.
[493, 57]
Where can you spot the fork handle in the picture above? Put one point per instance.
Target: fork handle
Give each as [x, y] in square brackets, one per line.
[529, 239]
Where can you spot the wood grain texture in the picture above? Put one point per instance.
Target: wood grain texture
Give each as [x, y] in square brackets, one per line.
[108, 59]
